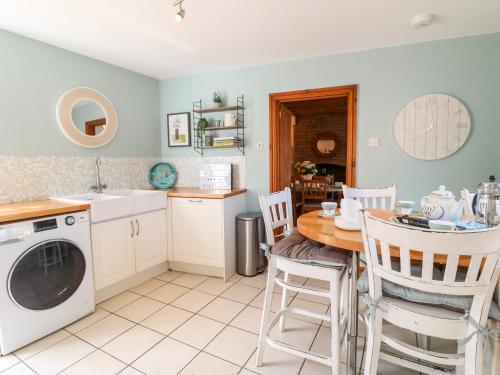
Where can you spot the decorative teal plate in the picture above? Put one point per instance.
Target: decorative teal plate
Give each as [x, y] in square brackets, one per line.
[162, 175]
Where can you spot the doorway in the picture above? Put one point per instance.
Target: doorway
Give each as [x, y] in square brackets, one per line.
[317, 125]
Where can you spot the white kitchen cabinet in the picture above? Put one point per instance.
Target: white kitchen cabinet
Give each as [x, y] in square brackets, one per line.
[113, 251]
[150, 239]
[121, 248]
[202, 234]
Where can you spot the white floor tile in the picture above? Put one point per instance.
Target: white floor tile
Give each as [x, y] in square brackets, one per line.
[168, 293]
[19, 369]
[235, 278]
[7, 361]
[167, 319]
[233, 345]
[207, 364]
[169, 276]
[60, 356]
[87, 321]
[42, 344]
[193, 301]
[97, 362]
[132, 344]
[105, 330]
[246, 372]
[257, 281]
[315, 368]
[119, 301]
[249, 319]
[241, 293]
[312, 298]
[130, 371]
[297, 333]
[147, 287]
[197, 331]
[314, 307]
[189, 280]
[214, 286]
[275, 305]
[140, 309]
[222, 309]
[275, 362]
[167, 358]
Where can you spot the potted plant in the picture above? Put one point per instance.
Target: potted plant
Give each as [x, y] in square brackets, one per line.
[200, 128]
[217, 99]
[306, 169]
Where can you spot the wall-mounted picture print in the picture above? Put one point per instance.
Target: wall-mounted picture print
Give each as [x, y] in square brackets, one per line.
[179, 129]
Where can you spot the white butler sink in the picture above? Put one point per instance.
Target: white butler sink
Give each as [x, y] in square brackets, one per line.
[114, 204]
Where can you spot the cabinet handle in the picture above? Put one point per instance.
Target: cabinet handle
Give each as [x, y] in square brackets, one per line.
[131, 229]
[138, 227]
[195, 200]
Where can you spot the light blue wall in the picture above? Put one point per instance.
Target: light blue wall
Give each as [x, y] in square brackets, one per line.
[467, 68]
[33, 76]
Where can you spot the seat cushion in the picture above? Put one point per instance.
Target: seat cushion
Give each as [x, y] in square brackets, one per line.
[418, 296]
[300, 249]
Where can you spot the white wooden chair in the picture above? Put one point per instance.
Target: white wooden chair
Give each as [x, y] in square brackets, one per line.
[467, 196]
[483, 248]
[278, 220]
[370, 197]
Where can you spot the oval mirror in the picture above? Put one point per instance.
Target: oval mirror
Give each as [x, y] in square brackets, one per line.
[87, 117]
[324, 145]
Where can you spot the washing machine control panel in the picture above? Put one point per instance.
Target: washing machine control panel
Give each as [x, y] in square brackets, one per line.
[69, 220]
[42, 225]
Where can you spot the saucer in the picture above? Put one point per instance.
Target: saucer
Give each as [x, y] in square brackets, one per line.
[342, 223]
[322, 214]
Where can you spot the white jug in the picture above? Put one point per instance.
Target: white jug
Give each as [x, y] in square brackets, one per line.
[230, 119]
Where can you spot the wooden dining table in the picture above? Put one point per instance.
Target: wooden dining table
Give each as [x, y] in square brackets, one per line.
[323, 230]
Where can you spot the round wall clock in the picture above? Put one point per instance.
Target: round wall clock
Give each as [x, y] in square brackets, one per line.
[432, 127]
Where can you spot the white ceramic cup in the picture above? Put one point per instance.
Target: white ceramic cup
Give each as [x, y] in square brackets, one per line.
[329, 208]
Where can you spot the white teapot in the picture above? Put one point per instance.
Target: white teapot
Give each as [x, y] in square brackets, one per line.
[230, 119]
[441, 204]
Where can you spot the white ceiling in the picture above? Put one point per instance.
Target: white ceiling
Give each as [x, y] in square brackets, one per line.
[142, 35]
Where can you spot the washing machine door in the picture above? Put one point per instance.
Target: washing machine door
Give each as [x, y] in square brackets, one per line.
[46, 275]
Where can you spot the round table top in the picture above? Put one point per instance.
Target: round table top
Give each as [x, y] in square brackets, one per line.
[323, 230]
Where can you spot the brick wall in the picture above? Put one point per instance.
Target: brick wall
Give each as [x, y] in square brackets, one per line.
[306, 129]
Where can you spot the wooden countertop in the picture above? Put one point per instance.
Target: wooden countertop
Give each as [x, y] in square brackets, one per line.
[40, 208]
[189, 192]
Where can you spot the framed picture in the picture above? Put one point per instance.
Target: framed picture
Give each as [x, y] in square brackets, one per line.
[179, 129]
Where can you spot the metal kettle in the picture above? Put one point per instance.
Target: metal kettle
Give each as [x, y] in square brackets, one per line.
[486, 203]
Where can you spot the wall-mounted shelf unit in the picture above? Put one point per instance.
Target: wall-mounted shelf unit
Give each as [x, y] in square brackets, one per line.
[239, 128]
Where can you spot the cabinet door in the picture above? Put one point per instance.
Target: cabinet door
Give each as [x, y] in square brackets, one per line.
[197, 231]
[150, 239]
[112, 251]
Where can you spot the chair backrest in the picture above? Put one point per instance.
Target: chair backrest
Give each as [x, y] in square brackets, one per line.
[467, 196]
[314, 189]
[369, 198]
[277, 214]
[478, 251]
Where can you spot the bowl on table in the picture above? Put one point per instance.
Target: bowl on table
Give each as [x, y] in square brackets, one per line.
[328, 209]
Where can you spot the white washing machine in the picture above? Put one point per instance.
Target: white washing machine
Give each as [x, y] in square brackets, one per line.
[46, 277]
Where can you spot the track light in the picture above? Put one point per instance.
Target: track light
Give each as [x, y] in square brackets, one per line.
[181, 12]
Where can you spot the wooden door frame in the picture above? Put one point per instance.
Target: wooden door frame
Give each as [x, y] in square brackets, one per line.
[276, 99]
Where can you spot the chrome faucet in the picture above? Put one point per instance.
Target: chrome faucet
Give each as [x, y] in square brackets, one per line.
[98, 187]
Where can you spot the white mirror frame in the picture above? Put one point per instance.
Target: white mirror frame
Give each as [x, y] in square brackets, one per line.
[65, 120]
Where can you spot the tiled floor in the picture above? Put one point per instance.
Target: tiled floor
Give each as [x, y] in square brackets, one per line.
[179, 324]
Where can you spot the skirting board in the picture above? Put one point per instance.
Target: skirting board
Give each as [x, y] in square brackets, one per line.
[122, 286]
[198, 269]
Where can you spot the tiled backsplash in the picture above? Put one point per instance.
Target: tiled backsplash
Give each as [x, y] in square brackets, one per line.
[188, 168]
[37, 177]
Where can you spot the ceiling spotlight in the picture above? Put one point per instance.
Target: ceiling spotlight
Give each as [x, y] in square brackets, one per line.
[422, 20]
[181, 12]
